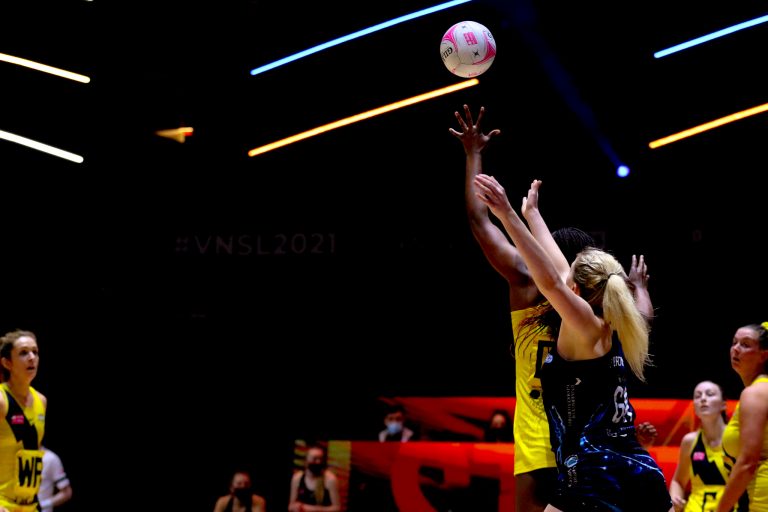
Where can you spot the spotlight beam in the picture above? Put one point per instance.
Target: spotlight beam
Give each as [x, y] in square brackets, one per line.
[45, 148]
[709, 37]
[364, 115]
[355, 35]
[44, 68]
[708, 126]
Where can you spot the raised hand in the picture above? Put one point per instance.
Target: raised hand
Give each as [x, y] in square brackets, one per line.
[638, 272]
[471, 135]
[490, 192]
[531, 203]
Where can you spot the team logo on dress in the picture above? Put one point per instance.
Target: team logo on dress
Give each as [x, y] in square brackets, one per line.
[548, 359]
[571, 461]
[699, 455]
[17, 419]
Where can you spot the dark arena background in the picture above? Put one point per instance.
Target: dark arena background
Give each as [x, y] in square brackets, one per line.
[200, 310]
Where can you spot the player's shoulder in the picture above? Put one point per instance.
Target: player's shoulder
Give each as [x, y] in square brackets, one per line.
[3, 401]
[755, 392]
[48, 454]
[42, 397]
[221, 502]
[689, 439]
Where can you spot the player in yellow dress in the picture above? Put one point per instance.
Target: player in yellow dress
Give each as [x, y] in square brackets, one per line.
[745, 440]
[22, 410]
[535, 466]
[701, 464]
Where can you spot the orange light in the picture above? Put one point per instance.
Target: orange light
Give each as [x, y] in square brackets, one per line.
[708, 126]
[177, 134]
[362, 116]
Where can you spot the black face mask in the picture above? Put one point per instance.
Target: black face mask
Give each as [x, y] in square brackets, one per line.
[316, 469]
[244, 495]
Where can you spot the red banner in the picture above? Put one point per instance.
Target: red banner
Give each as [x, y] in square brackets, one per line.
[464, 474]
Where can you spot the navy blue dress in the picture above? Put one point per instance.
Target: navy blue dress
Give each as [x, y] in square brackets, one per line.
[601, 465]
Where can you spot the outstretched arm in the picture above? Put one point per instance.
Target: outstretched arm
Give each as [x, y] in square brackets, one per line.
[496, 247]
[572, 309]
[541, 232]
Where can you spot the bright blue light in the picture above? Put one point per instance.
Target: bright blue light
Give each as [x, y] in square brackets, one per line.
[357, 34]
[709, 37]
[622, 171]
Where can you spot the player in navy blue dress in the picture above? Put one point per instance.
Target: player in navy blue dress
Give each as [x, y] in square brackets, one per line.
[601, 465]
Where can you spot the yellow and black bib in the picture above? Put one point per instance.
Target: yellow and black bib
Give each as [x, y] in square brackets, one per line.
[21, 459]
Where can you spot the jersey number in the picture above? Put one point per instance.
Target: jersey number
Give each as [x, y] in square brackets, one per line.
[621, 404]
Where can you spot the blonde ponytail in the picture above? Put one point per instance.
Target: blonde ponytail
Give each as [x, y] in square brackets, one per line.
[620, 311]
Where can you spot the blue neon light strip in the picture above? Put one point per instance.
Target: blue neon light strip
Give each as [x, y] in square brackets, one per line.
[357, 34]
[709, 37]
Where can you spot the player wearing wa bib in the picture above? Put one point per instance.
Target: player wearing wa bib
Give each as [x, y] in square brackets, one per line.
[21, 460]
[532, 442]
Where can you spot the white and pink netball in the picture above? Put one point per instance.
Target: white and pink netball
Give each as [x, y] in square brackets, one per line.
[468, 49]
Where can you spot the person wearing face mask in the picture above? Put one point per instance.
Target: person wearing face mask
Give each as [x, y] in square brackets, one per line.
[241, 497]
[396, 430]
[316, 488]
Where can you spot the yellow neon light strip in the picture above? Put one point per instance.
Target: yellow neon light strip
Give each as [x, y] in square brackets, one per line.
[45, 148]
[44, 68]
[362, 116]
[708, 126]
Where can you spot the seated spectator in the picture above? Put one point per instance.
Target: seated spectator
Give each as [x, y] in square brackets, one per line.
[241, 497]
[316, 488]
[394, 421]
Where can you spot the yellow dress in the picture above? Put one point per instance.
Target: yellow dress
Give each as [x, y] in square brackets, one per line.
[21, 459]
[533, 449]
[758, 487]
[708, 474]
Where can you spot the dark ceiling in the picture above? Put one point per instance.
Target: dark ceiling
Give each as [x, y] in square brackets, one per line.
[353, 244]
[571, 86]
